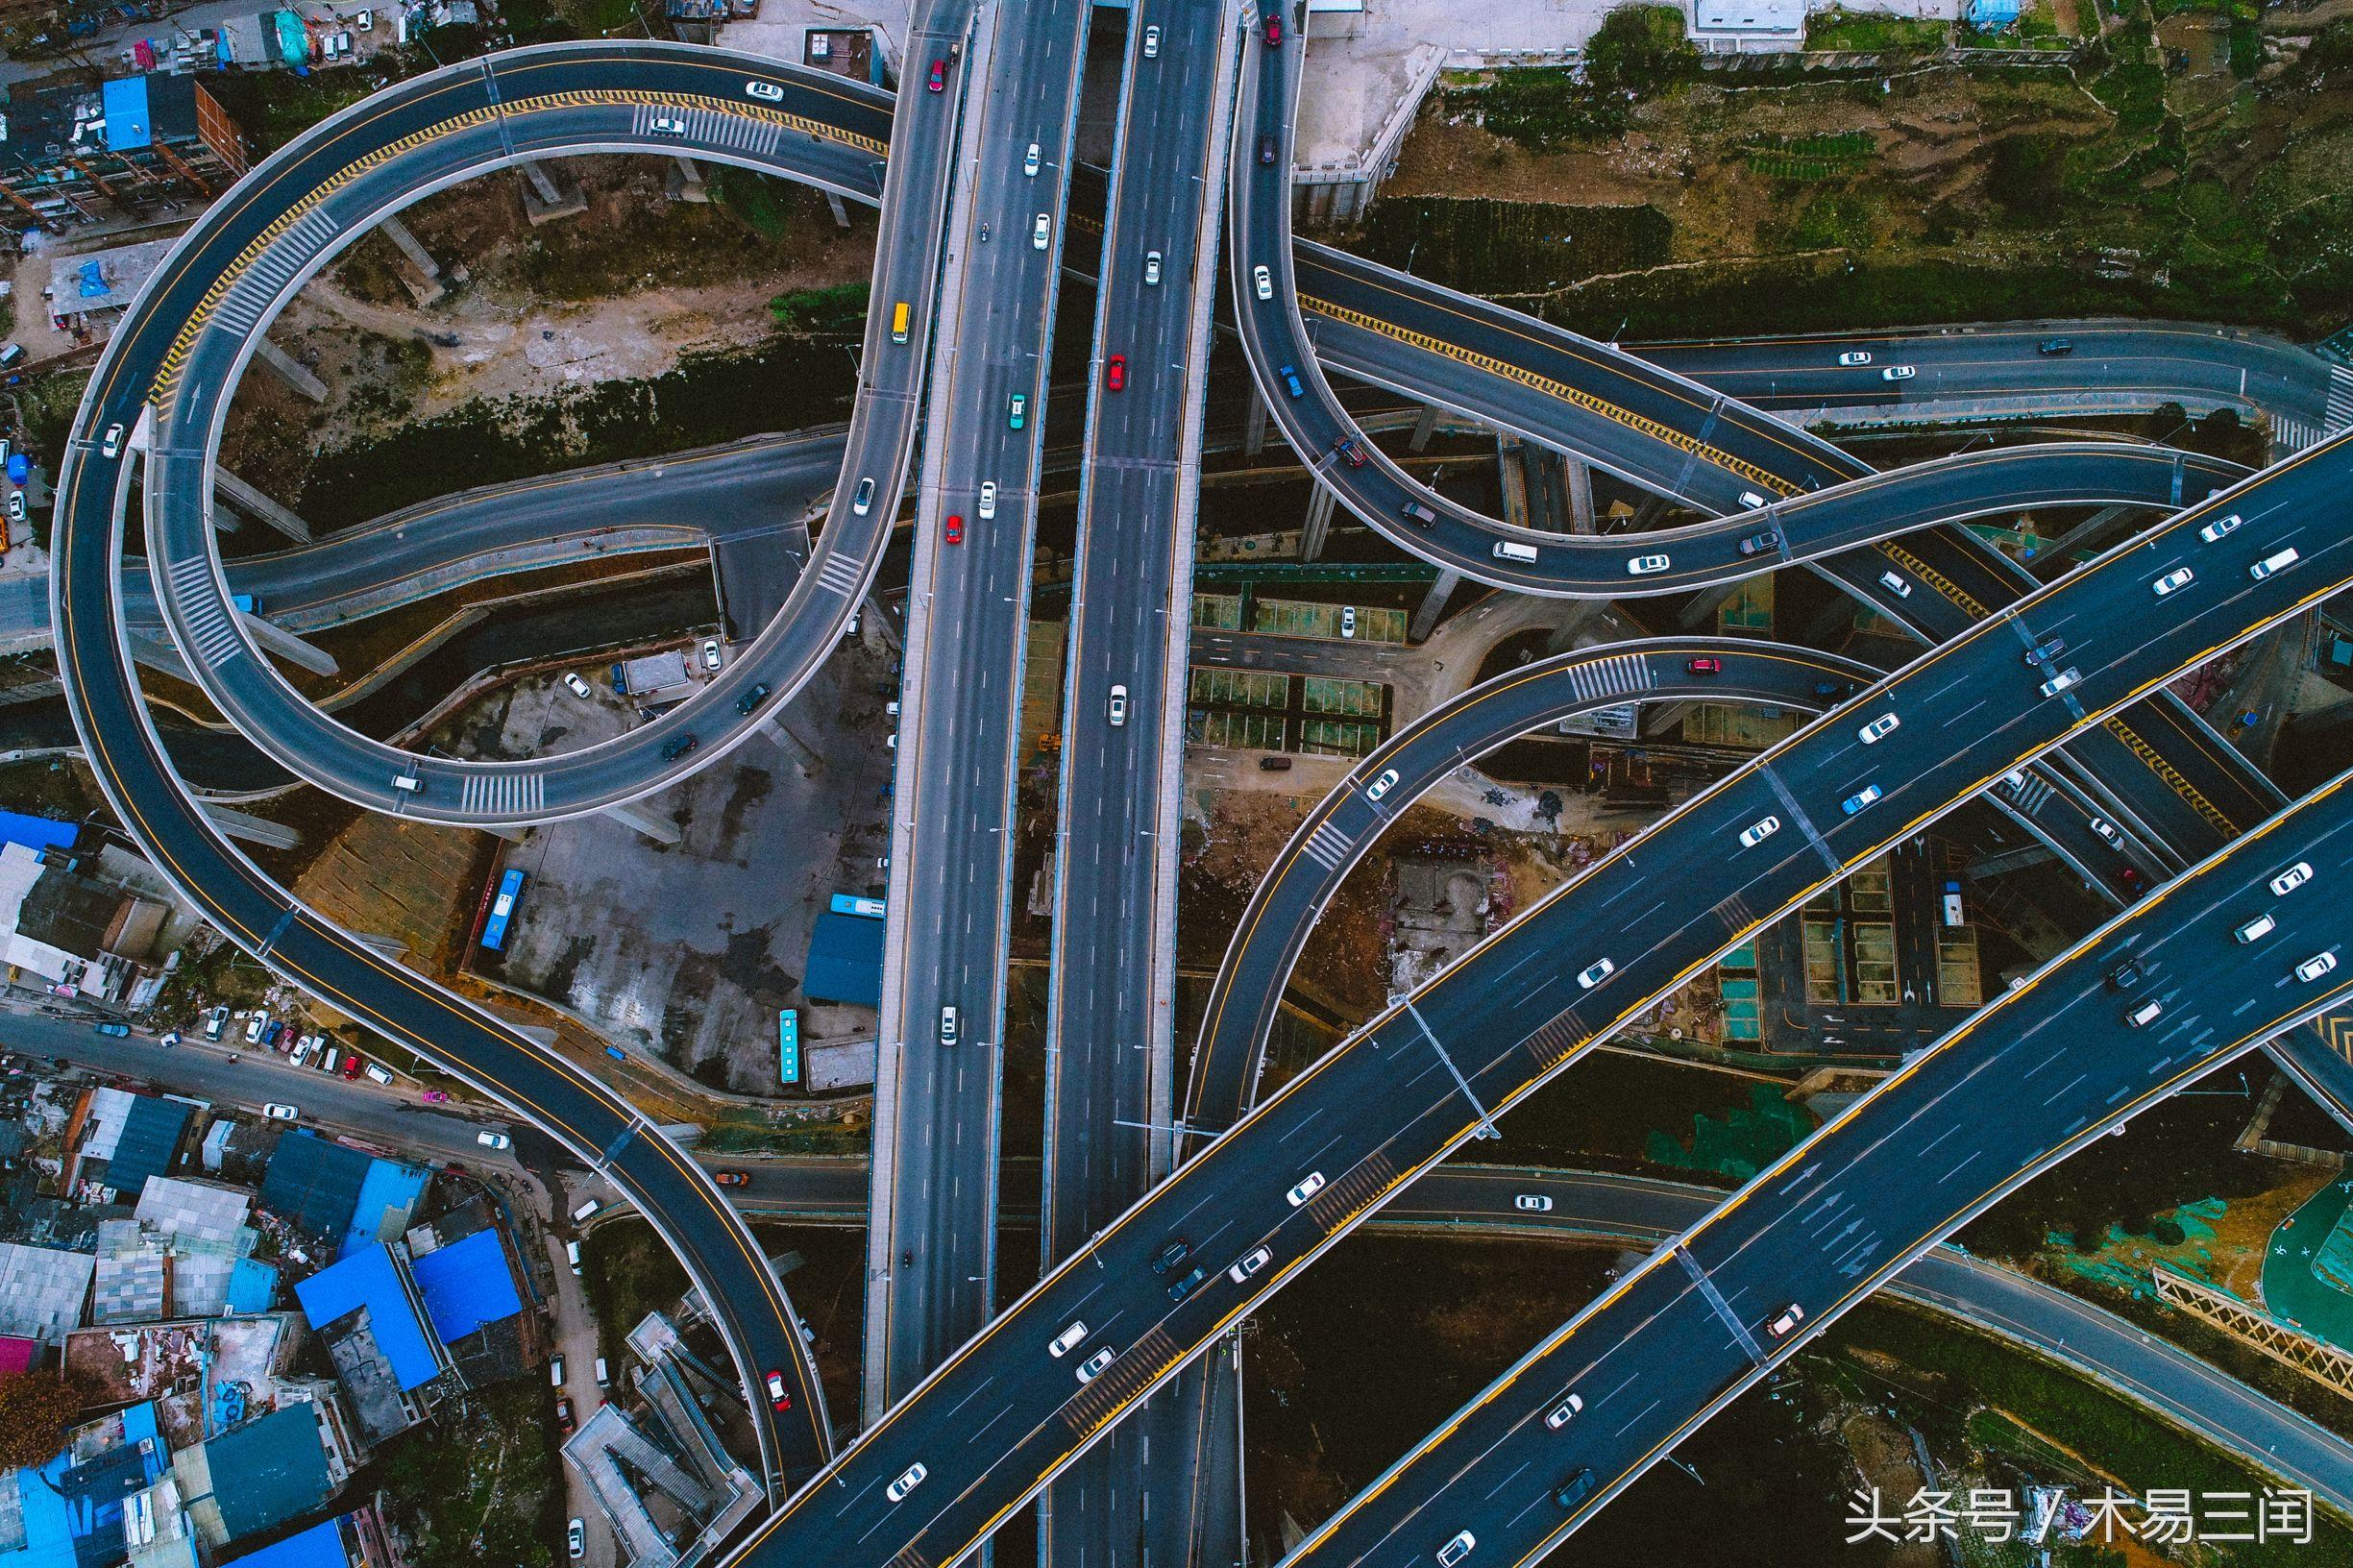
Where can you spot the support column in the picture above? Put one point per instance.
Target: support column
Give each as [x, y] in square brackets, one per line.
[1657, 717]
[1578, 476]
[804, 755]
[392, 947]
[2009, 860]
[633, 814]
[1835, 617]
[1433, 605]
[298, 377]
[1318, 528]
[538, 1034]
[2090, 528]
[425, 285]
[238, 824]
[546, 199]
[228, 487]
[878, 616]
[1704, 605]
[1647, 514]
[1254, 427]
[687, 184]
[1580, 611]
[841, 208]
[1512, 470]
[156, 651]
[1425, 426]
[276, 639]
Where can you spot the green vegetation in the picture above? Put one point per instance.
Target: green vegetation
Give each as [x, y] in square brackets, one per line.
[1979, 1392]
[1641, 52]
[709, 398]
[480, 1486]
[1871, 34]
[1615, 1111]
[1638, 53]
[272, 108]
[1823, 156]
[754, 198]
[1499, 247]
[1739, 1143]
[786, 1137]
[840, 309]
[629, 1273]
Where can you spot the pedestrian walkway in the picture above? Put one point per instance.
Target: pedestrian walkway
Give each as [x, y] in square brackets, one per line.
[2308, 1271]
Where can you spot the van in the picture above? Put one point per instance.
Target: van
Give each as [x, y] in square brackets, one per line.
[408, 783]
[2147, 1013]
[898, 322]
[1067, 1340]
[572, 1255]
[379, 1074]
[2256, 930]
[1456, 1550]
[332, 1060]
[2278, 561]
[11, 352]
[585, 1212]
[1276, 764]
[1511, 550]
[601, 1379]
[555, 1371]
[1420, 515]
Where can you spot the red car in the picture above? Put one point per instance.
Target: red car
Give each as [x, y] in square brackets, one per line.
[1274, 31]
[563, 1417]
[779, 1397]
[955, 527]
[939, 76]
[352, 1065]
[731, 1178]
[1114, 372]
[1704, 667]
[1349, 451]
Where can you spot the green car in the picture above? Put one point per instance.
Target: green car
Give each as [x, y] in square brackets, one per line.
[1016, 412]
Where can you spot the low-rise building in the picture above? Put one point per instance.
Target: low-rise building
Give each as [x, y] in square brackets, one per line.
[75, 150]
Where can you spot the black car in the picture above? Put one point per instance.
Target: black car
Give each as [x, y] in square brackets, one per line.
[1266, 150]
[2125, 976]
[1186, 1286]
[1171, 1255]
[2054, 345]
[2046, 650]
[1756, 544]
[1574, 1490]
[752, 698]
[679, 748]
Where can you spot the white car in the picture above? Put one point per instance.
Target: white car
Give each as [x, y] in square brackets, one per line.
[1151, 43]
[2292, 879]
[576, 685]
[2217, 529]
[1562, 1412]
[253, 1026]
[1151, 266]
[710, 652]
[1029, 161]
[1594, 974]
[1456, 1550]
[1855, 357]
[1263, 280]
[494, 1140]
[2106, 829]
[2179, 578]
[1040, 231]
[1791, 1316]
[113, 444]
[768, 92]
[1883, 726]
[987, 501]
[1308, 1185]
[1894, 585]
[576, 1538]
[1348, 620]
[1117, 706]
[2061, 682]
[1380, 786]
[1532, 1203]
[1249, 1264]
[2255, 930]
[667, 125]
[1643, 566]
[908, 1481]
[278, 1111]
[2315, 966]
[1092, 1367]
[1758, 831]
[1897, 372]
[1063, 1342]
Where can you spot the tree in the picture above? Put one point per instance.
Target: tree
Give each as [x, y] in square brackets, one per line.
[35, 1411]
[1640, 51]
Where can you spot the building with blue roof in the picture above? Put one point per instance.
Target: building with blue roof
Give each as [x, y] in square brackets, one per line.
[467, 1285]
[37, 833]
[845, 961]
[253, 1285]
[321, 1546]
[70, 1513]
[338, 1193]
[371, 1315]
[267, 1473]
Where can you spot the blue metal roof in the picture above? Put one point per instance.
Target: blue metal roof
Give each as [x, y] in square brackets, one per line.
[466, 1284]
[36, 832]
[253, 1285]
[845, 961]
[385, 1187]
[314, 1183]
[129, 123]
[321, 1546]
[369, 1279]
[150, 1136]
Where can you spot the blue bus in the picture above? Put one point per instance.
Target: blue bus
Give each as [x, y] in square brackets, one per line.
[501, 910]
[788, 1045]
[850, 903]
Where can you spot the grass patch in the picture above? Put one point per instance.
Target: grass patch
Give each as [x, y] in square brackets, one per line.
[786, 1137]
[1848, 32]
[1498, 248]
[840, 309]
[629, 1273]
[751, 196]
[479, 1485]
[272, 108]
[1811, 158]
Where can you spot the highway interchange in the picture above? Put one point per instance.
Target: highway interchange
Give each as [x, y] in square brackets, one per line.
[1300, 1169]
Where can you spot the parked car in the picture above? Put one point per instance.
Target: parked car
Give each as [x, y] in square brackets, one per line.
[279, 1111]
[731, 1178]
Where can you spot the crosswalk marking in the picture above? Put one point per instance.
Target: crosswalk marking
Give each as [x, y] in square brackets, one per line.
[1097, 1402]
[840, 574]
[1327, 846]
[1620, 674]
[2339, 397]
[210, 625]
[504, 794]
[272, 271]
[2029, 798]
[2292, 434]
[1736, 914]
